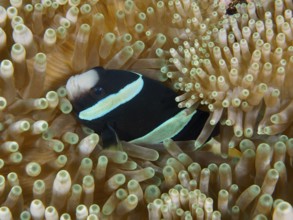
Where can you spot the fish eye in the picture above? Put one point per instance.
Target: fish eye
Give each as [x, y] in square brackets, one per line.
[97, 91]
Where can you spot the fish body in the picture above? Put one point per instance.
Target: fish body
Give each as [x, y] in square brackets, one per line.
[138, 109]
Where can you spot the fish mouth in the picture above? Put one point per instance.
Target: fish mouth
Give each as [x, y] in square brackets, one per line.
[79, 84]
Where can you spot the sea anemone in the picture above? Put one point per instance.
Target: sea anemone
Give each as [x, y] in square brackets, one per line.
[52, 167]
[252, 187]
[239, 67]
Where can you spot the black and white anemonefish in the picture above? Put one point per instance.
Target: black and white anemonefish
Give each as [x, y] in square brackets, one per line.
[140, 110]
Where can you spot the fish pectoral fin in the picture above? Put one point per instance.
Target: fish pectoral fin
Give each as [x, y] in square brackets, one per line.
[110, 138]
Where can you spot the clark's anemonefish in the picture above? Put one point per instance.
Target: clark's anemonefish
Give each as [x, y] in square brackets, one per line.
[139, 110]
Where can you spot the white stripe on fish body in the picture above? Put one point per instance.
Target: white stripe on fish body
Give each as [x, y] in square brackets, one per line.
[168, 129]
[113, 101]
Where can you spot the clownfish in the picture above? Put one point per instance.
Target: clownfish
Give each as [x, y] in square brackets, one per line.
[136, 108]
